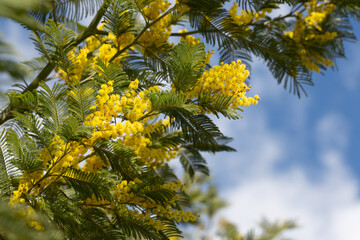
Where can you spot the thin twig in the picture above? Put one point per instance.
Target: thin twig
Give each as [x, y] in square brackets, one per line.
[147, 26]
[184, 33]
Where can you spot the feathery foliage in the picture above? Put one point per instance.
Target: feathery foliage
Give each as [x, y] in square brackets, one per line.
[186, 64]
[89, 152]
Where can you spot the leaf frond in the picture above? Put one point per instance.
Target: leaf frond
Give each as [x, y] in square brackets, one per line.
[89, 184]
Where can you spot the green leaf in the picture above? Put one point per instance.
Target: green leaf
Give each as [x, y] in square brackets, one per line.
[81, 98]
[32, 125]
[63, 211]
[73, 130]
[24, 152]
[167, 173]
[111, 72]
[53, 106]
[23, 101]
[89, 184]
[218, 103]
[97, 225]
[74, 10]
[7, 170]
[134, 227]
[160, 196]
[152, 57]
[186, 64]
[122, 159]
[119, 18]
[199, 130]
[167, 140]
[208, 7]
[58, 42]
[171, 104]
[192, 162]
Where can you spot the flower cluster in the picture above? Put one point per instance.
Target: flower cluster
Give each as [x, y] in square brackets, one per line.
[123, 40]
[22, 189]
[227, 79]
[78, 62]
[79, 59]
[155, 9]
[190, 39]
[106, 52]
[308, 31]
[132, 132]
[159, 32]
[93, 43]
[317, 12]
[246, 17]
[181, 7]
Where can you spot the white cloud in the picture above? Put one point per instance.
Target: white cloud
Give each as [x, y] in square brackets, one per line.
[254, 142]
[326, 206]
[332, 131]
[321, 209]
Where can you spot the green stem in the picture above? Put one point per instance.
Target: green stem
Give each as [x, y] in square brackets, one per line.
[47, 174]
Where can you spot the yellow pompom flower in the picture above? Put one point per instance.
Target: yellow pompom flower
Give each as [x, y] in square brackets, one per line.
[226, 79]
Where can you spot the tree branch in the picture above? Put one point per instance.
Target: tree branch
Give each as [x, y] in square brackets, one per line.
[147, 26]
[7, 114]
[184, 33]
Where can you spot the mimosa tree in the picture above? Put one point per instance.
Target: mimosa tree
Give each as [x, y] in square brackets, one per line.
[85, 145]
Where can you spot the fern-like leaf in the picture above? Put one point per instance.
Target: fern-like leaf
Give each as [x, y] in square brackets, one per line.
[23, 101]
[97, 225]
[119, 18]
[72, 130]
[186, 64]
[218, 103]
[122, 159]
[6, 168]
[81, 98]
[24, 152]
[61, 10]
[59, 42]
[111, 72]
[171, 104]
[63, 211]
[192, 162]
[89, 184]
[52, 105]
[32, 125]
[134, 227]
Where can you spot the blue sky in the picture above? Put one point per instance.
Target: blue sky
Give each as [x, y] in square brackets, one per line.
[297, 158]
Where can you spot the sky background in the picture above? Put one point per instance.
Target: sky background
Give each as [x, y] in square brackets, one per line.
[296, 158]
